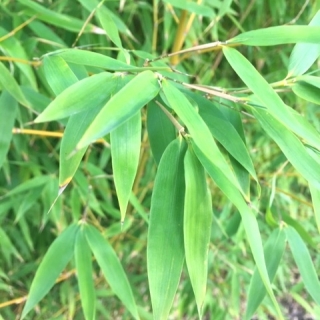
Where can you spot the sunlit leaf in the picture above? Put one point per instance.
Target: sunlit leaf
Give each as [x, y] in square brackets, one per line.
[165, 250]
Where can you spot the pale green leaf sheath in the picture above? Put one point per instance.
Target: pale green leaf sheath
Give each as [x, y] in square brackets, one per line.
[197, 225]
[165, 251]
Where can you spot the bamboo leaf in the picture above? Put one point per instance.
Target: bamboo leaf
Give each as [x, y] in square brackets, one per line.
[269, 98]
[248, 219]
[197, 128]
[8, 82]
[197, 225]
[303, 260]
[165, 250]
[109, 26]
[290, 145]
[111, 268]
[278, 35]
[83, 261]
[125, 150]
[8, 110]
[307, 92]
[122, 106]
[304, 55]
[55, 260]
[79, 97]
[315, 194]
[273, 250]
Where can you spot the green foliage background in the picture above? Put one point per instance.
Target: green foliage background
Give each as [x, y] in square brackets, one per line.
[71, 253]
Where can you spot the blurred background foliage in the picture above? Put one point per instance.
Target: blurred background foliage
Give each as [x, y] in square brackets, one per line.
[29, 174]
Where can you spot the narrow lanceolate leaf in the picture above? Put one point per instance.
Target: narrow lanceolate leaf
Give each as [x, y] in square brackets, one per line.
[111, 268]
[315, 194]
[165, 251]
[303, 260]
[268, 97]
[109, 25]
[160, 130]
[290, 145]
[93, 59]
[304, 55]
[122, 106]
[8, 111]
[52, 264]
[83, 260]
[307, 91]
[197, 129]
[125, 150]
[79, 97]
[76, 127]
[58, 74]
[8, 82]
[197, 225]
[278, 35]
[248, 219]
[273, 252]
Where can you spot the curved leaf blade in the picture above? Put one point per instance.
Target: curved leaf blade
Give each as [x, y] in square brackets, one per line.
[111, 268]
[122, 106]
[53, 263]
[165, 250]
[197, 225]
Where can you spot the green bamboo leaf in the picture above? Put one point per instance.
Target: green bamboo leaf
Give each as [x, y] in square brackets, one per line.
[76, 127]
[79, 97]
[8, 110]
[160, 130]
[273, 250]
[12, 47]
[197, 225]
[8, 82]
[111, 268]
[315, 194]
[269, 98]
[304, 55]
[248, 218]
[197, 129]
[52, 17]
[233, 141]
[109, 25]
[303, 260]
[193, 7]
[83, 261]
[93, 59]
[55, 260]
[165, 250]
[125, 150]
[58, 74]
[312, 80]
[278, 35]
[290, 145]
[122, 106]
[307, 92]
